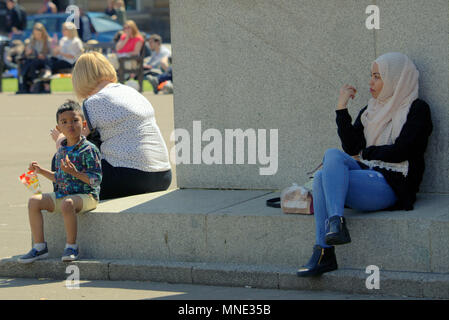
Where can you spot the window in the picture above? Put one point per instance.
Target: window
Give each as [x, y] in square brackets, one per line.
[132, 5]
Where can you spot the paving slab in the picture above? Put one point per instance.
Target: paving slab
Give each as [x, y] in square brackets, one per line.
[181, 201]
[159, 271]
[350, 281]
[48, 289]
[54, 269]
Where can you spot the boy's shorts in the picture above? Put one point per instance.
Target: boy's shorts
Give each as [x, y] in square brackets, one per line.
[89, 202]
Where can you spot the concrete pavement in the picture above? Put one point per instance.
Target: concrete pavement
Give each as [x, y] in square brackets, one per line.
[46, 289]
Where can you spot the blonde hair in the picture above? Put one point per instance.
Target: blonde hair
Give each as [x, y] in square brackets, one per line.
[134, 30]
[39, 26]
[90, 69]
[71, 28]
[120, 3]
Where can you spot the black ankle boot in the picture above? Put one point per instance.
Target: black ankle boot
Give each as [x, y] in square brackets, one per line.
[322, 260]
[338, 232]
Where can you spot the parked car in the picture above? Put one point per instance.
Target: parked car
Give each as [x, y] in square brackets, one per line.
[102, 26]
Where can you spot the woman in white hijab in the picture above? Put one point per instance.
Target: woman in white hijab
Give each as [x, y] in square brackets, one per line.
[383, 160]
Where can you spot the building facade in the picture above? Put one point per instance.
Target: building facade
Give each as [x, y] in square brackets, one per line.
[99, 5]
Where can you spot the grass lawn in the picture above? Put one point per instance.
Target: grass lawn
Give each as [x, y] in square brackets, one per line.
[57, 85]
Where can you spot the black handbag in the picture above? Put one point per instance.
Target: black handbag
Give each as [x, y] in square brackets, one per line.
[274, 202]
[94, 135]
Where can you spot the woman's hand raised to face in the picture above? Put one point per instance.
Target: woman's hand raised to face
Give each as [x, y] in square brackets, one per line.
[346, 92]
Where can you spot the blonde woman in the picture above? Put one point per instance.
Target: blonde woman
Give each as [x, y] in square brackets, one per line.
[131, 40]
[129, 44]
[134, 154]
[39, 43]
[69, 49]
[37, 50]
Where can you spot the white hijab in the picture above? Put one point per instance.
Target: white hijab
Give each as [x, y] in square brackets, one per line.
[385, 116]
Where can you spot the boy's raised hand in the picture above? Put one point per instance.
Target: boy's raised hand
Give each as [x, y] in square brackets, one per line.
[67, 166]
[55, 134]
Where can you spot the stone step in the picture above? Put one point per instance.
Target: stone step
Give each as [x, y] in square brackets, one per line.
[353, 281]
[235, 226]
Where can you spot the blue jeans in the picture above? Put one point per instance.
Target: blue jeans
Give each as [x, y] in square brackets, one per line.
[342, 182]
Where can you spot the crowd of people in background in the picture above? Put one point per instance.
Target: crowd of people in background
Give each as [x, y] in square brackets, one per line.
[34, 60]
[44, 56]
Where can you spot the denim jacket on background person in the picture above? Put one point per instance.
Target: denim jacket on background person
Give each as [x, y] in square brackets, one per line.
[86, 158]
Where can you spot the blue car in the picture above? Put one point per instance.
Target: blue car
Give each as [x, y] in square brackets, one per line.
[102, 26]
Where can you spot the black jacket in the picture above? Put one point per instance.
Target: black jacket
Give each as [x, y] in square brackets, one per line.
[410, 145]
[16, 17]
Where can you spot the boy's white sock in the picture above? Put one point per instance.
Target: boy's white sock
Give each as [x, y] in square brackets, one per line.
[39, 246]
[73, 246]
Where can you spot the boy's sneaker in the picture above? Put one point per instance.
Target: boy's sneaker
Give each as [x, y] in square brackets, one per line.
[70, 255]
[34, 255]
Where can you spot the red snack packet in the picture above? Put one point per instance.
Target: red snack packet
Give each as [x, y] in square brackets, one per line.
[31, 181]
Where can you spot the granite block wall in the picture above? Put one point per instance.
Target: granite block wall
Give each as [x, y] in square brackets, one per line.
[278, 65]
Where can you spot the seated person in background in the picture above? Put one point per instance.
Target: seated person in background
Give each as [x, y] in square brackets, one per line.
[120, 11]
[162, 82]
[158, 62]
[86, 29]
[131, 40]
[15, 19]
[37, 51]
[130, 43]
[67, 52]
[110, 10]
[12, 53]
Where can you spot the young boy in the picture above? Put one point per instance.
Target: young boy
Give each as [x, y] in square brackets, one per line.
[78, 177]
